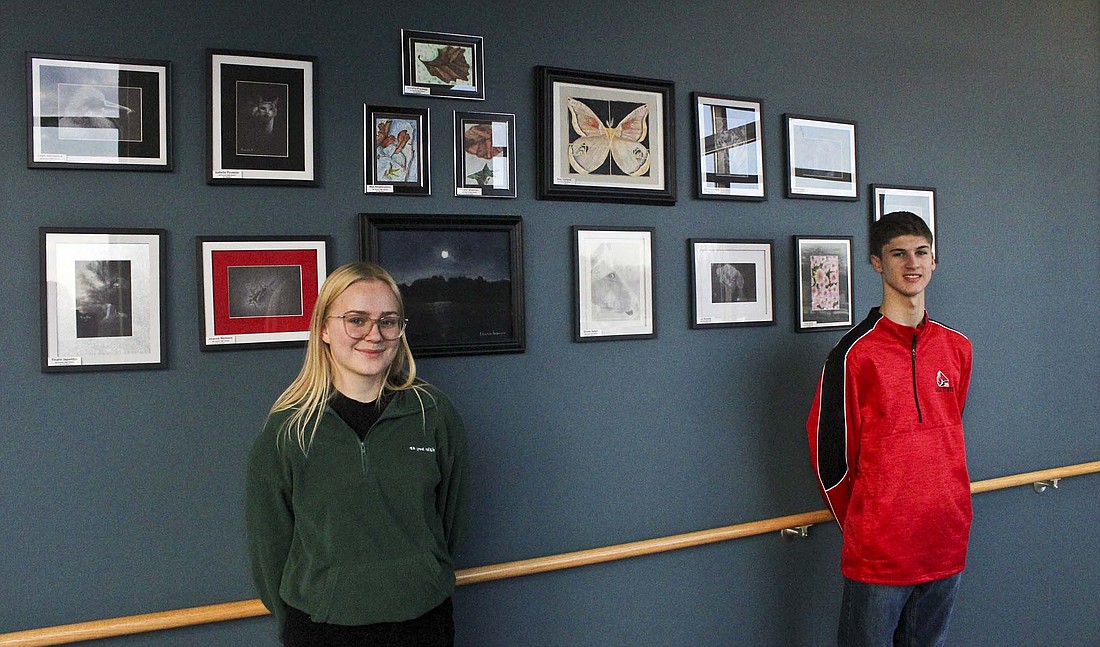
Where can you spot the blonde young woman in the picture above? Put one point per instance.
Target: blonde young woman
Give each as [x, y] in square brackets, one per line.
[357, 485]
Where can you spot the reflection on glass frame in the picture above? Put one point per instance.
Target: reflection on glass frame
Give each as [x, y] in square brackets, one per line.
[821, 158]
[485, 155]
[731, 282]
[613, 283]
[442, 65]
[395, 150]
[461, 279]
[823, 270]
[729, 148]
[262, 118]
[98, 113]
[920, 200]
[103, 299]
[258, 292]
[605, 138]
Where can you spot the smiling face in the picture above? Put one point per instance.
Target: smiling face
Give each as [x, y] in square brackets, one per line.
[906, 265]
[360, 365]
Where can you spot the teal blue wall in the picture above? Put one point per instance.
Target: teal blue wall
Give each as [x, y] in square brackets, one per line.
[121, 492]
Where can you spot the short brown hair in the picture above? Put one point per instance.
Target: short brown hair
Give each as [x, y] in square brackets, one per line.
[894, 224]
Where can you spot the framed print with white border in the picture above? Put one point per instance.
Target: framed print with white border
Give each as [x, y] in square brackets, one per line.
[262, 118]
[258, 292]
[731, 282]
[729, 148]
[613, 283]
[103, 299]
[434, 64]
[485, 155]
[823, 270]
[605, 138]
[920, 200]
[395, 151]
[98, 113]
[821, 158]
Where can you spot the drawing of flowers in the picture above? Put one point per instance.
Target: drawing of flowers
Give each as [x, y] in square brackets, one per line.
[824, 282]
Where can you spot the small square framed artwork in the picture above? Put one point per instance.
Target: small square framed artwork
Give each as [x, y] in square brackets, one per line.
[729, 147]
[821, 158]
[435, 64]
[920, 200]
[395, 150]
[731, 282]
[485, 155]
[258, 292]
[823, 270]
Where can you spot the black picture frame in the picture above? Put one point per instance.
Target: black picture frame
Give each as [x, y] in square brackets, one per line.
[258, 291]
[822, 160]
[729, 147]
[87, 112]
[613, 283]
[396, 150]
[584, 152]
[461, 278]
[823, 283]
[103, 299]
[456, 69]
[920, 200]
[262, 118]
[484, 154]
[732, 282]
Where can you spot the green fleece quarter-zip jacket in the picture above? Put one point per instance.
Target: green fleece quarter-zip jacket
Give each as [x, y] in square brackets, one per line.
[357, 533]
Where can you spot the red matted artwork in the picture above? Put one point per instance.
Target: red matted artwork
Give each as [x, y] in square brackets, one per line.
[258, 292]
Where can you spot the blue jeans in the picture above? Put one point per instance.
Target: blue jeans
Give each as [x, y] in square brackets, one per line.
[876, 615]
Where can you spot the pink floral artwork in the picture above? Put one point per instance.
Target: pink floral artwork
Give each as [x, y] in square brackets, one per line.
[824, 282]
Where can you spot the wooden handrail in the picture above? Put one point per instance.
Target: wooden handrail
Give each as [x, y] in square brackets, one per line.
[251, 608]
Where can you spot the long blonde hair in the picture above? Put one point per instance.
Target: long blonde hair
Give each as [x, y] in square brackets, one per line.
[310, 392]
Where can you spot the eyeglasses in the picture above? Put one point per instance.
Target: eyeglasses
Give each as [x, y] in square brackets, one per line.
[358, 325]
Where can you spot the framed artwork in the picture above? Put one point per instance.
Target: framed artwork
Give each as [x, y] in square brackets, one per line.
[823, 269]
[262, 118]
[920, 200]
[731, 282]
[258, 292]
[103, 299]
[729, 148]
[442, 65]
[98, 113]
[613, 283]
[605, 138]
[395, 151]
[485, 155]
[461, 279]
[821, 158]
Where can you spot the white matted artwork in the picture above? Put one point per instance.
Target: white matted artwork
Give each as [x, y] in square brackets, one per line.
[613, 283]
[731, 282]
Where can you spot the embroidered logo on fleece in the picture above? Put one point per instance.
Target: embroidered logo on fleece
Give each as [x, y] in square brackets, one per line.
[943, 384]
[422, 449]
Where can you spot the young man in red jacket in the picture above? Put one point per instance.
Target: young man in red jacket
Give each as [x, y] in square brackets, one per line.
[886, 442]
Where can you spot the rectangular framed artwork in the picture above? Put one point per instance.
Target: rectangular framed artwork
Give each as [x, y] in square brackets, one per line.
[258, 292]
[435, 64]
[98, 113]
[920, 200]
[605, 138]
[103, 299]
[821, 158]
[823, 269]
[485, 155]
[461, 278]
[613, 283]
[262, 118]
[731, 282]
[729, 148]
[395, 150]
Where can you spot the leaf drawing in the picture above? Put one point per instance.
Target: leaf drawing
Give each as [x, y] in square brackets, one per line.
[478, 141]
[483, 176]
[449, 64]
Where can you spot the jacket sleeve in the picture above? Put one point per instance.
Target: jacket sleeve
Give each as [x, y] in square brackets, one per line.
[965, 365]
[833, 431]
[269, 520]
[452, 497]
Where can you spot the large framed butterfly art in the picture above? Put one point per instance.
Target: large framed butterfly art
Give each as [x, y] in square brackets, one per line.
[605, 138]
